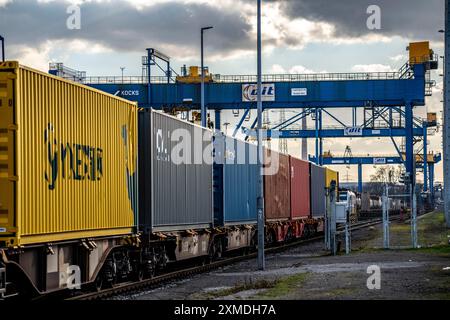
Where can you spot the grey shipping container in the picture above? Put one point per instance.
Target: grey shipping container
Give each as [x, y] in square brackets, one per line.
[175, 174]
[235, 181]
[318, 198]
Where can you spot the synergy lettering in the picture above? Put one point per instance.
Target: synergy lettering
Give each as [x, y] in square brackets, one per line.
[71, 160]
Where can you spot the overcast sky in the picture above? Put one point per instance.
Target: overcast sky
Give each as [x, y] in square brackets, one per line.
[300, 36]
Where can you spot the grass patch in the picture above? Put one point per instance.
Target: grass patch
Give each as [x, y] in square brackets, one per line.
[273, 289]
[432, 230]
[438, 249]
[283, 286]
[440, 296]
[248, 285]
[339, 292]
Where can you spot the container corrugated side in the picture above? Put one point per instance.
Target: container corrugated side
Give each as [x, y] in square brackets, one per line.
[236, 175]
[74, 168]
[277, 199]
[176, 159]
[317, 185]
[300, 192]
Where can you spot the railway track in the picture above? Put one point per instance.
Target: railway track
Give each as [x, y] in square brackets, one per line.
[128, 287]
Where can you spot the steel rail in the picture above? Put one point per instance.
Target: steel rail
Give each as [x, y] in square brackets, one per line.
[128, 287]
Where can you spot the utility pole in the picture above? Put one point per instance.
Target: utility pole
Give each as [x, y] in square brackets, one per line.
[3, 48]
[385, 210]
[260, 200]
[202, 89]
[446, 132]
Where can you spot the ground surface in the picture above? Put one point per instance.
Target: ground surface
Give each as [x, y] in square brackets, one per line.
[308, 272]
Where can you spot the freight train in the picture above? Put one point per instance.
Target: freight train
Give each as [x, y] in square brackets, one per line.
[370, 205]
[94, 191]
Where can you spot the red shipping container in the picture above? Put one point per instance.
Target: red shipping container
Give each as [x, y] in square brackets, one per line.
[300, 191]
[277, 189]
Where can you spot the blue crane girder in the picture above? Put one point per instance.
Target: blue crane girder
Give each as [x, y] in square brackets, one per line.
[359, 160]
[390, 90]
[335, 133]
[369, 160]
[380, 160]
[323, 94]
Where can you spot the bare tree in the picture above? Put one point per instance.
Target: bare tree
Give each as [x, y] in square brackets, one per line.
[387, 174]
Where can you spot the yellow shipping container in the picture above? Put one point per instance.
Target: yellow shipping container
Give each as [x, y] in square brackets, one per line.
[67, 159]
[331, 175]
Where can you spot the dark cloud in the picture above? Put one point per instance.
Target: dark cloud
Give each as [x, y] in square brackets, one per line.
[120, 26]
[414, 19]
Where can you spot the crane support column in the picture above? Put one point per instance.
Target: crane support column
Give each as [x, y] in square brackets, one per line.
[409, 148]
[360, 177]
[425, 152]
[304, 140]
[431, 186]
[217, 119]
[317, 136]
[320, 139]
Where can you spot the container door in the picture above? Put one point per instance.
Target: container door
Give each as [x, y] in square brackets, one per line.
[8, 177]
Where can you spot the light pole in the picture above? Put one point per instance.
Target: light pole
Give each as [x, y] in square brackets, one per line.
[122, 68]
[226, 124]
[202, 89]
[260, 200]
[446, 126]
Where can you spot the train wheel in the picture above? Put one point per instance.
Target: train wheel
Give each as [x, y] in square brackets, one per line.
[140, 275]
[151, 274]
[306, 231]
[98, 283]
[210, 257]
[289, 235]
[270, 238]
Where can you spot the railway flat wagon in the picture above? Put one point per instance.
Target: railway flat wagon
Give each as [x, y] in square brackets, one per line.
[175, 184]
[236, 174]
[67, 178]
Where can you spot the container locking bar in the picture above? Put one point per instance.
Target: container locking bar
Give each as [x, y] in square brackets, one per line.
[2, 281]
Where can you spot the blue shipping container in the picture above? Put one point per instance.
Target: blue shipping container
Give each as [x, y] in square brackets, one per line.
[235, 181]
